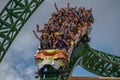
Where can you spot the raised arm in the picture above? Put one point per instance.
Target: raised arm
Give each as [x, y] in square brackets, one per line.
[35, 34]
[68, 5]
[38, 28]
[66, 42]
[56, 7]
[67, 9]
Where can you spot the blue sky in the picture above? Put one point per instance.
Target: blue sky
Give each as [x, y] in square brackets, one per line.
[18, 64]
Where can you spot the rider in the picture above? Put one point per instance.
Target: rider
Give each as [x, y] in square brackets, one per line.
[45, 30]
[61, 43]
[44, 41]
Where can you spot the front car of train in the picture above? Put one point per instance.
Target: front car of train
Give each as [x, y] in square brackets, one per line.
[50, 60]
[53, 57]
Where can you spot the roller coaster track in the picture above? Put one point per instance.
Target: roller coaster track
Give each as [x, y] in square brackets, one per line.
[95, 61]
[12, 18]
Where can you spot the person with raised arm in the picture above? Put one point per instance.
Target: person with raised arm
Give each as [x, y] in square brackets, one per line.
[44, 41]
[39, 38]
[61, 43]
[45, 29]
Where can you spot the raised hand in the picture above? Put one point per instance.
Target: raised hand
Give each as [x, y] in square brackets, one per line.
[38, 29]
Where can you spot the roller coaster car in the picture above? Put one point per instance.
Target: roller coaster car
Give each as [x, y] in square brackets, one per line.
[50, 58]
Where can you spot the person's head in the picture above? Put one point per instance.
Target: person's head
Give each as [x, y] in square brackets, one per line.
[59, 37]
[64, 25]
[56, 27]
[62, 10]
[46, 26]
[52, 28]
[67, 20]
[71, 28]
[83, 8]
[54, 15]
[52, 21]
[60, 20]
[85, 24]
[45, 36]
[79, 25]
[90, 9]
[71, 17]
[60, 14]
[75, 20]
[65, 36]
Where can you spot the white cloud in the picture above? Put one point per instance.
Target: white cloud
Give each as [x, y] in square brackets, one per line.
[8, 73]
[11, 71]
